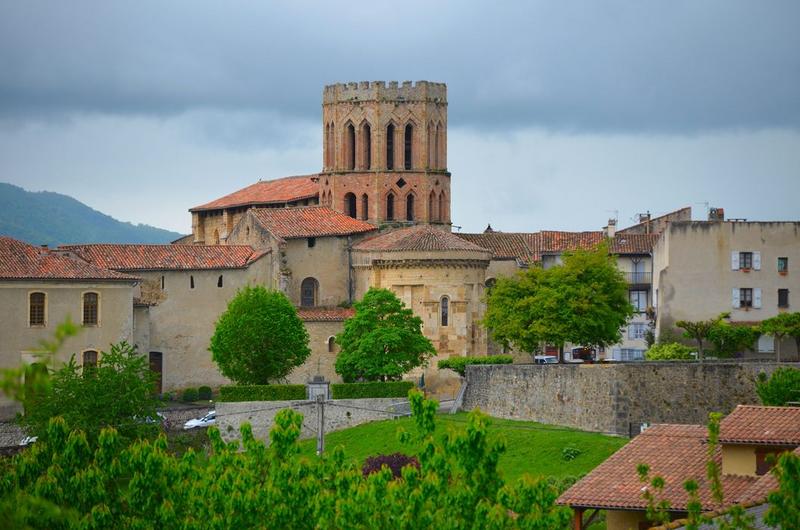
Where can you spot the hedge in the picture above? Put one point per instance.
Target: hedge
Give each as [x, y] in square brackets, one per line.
[459, 364]
[376, 389]
[190, 395]
[262, 392]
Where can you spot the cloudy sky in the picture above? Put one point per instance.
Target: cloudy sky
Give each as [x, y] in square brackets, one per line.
[562, 113]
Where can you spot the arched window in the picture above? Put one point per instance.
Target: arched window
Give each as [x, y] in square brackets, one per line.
[366, 136]
[390, 207]
[36, 309]
[328, 152]
[442, 214]
[364, 207]
[90, 359]
[407, 146]
[490, 282]
[437, 160]
[444, 307]
[91, 303]
[331, 146]
[350, 205]
[410, 207]
[350, 133]
[432, 206]
[308, 292]
[431, 155]
[216, 237]
[390, 146]
[219, 281]
[331, 344]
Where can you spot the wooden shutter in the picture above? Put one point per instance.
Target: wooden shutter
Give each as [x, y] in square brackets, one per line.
[735, 261]
[757, 298]
[757, 261]
[735, 297]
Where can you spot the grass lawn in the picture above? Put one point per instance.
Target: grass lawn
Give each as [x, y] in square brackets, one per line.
[532, 448]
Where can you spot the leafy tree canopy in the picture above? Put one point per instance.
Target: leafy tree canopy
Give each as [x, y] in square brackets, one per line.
[780, 326]
[781, 387]
[699, 331]
[729, 339]
[583, 301]
[259, 338]
[382, 341]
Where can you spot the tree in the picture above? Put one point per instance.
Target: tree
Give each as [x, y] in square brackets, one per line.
[584, 301]
[781, 326]
[780, 388]
[259, 338]
[382, 341]
[118, 393]
[699, 330]
[668, 351]
[729, 339]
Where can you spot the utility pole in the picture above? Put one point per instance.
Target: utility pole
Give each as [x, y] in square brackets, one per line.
[320, 424]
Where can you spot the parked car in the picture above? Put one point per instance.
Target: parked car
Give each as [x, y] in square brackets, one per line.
[582, 354]
[545, 359]
[206, 421]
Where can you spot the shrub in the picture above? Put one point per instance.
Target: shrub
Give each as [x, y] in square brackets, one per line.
[729, 339]
[395, 462]
[205, 393]
[669, 351]
[459, 364]
[570, 453]
[189, 395]
[375, 389]
[262, 392]
[783, 386]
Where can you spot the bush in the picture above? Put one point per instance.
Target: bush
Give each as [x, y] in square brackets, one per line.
[395, 462]
[570, 453]
[783, 386]
[375, 389]
[669, 351]
[205, 393]
[459, 364]
[190, 395]
[262, 392]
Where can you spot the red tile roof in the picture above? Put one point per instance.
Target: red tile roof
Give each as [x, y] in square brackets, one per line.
[503, 245]
[166, 257]
[419, 237]
[633, 243]
[287, 189]
[325, 314]
[21, 261]
[312, 221]
[750, 424]
[553, 241]
[675, 452]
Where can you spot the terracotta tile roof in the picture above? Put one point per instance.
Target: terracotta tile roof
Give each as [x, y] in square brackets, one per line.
[276, 191]
[503, 245]
[419, 237]
[312, 221]
[325, 314]
[21, 261]
[166, 257]
[675, 452]
[750, 424]
[553, 241]
[633, 243]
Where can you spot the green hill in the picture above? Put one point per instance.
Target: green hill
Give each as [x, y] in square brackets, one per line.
[47, 218]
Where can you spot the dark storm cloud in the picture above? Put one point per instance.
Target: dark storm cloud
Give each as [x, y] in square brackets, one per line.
[679, 66]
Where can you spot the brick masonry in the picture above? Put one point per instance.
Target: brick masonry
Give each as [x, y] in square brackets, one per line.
[611, 398]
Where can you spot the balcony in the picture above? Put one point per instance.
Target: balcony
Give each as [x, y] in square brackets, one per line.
[638, 278]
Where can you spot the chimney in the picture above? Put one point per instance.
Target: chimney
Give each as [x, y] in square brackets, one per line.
[716, 214]
[611, 229]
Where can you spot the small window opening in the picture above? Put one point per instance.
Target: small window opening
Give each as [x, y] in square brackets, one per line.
[364, 207]
[162, 283]
[351, 147]
[90, 359]
[407, 152]
[783, 264]
[308, 292]
[390, 146]
[312, 242]
[36, 316]
[366, 132]
[350, 205]
[219, 281]
[331, 344]
[783, 297]
[191, 282]
[410, 208]
[445, 310]
[390, 207]
[90, 309]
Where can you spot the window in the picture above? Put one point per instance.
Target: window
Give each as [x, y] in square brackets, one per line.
[440, 214]
[90, 359]
[432, 206]
[390, 146]
[191, 282]
[783, 264]
[444, 307]
[216, 237]
[407, 150]
[90, 309]
[219, 281]
[490, 283]
[639, 300]
[350, 133]
[637, 330]
[331, 344]
[745, 260]
[350, 205]
[366, 134]
[312, 241]
[783, 297]
[631, 354]
[390, 207]
[308, 292]
[162, 283]
[745, 297]
[410, 208]
[36, 309]
[364, 207]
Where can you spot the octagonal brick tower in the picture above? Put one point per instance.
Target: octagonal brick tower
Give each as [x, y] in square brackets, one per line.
[385, 152]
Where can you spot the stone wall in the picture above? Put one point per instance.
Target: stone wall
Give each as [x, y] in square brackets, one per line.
[338, 414]
[611, 398]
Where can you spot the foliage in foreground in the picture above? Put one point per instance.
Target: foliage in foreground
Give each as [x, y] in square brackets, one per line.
[259, 338]
[66, 482]
[262, 392]
[459, 364]
[374, 389]
[382, 341]
[780, 388]
[668, 351]
[780, 326]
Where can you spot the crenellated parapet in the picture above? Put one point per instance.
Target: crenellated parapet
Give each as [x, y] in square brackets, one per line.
[382, 91]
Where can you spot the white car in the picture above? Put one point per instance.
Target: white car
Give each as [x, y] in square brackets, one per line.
[545, 359]
[206, 421]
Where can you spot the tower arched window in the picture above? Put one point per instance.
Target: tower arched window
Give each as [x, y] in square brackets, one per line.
[309, 290]
[327, 145]
[350, 134]
[442, 214]
[408, 142]
[444, 310]
[331, 344]
[410, 207]
[432, 207]
[437, 160]
[366, 136]
[431, 155]
[390, 207]
[390, 146]
[364, 207]
[350, 205]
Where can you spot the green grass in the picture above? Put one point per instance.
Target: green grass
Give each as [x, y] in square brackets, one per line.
[532, 448]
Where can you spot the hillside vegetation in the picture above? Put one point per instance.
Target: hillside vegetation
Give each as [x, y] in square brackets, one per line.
[47, 218]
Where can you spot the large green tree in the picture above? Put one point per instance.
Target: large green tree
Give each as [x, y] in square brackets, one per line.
[259, 338]
[781, 326]
[699, 331]
[583, 301]
[382, 341]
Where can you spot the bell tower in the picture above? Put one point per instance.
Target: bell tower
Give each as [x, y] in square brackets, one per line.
[385, 152]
